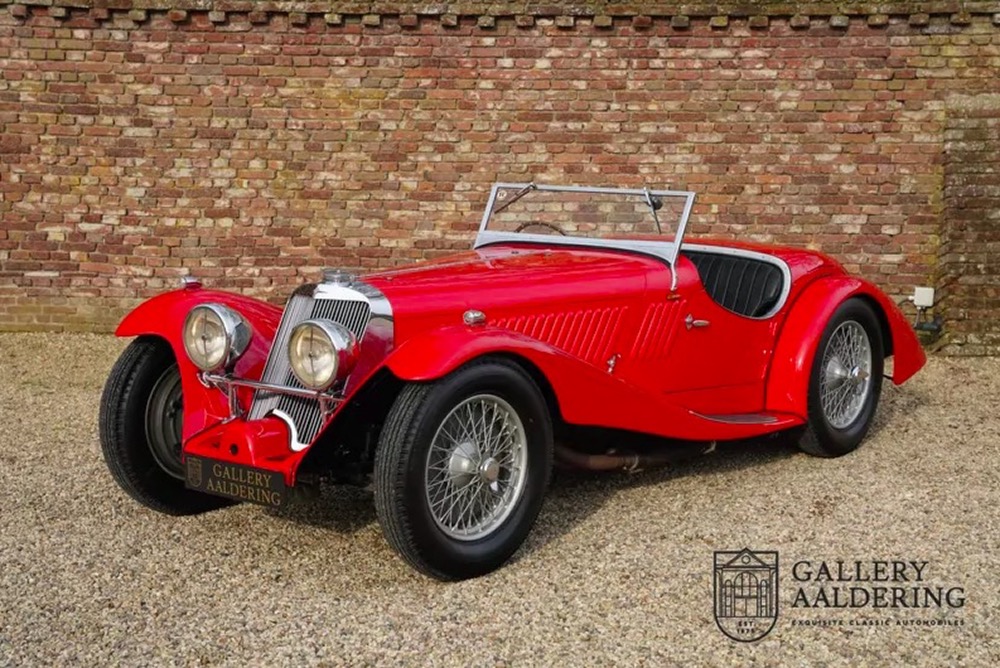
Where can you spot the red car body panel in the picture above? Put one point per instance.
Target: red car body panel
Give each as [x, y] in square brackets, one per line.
[164, 315]
[262, 444]
[586, 395]
[604, 328]
[799, 338]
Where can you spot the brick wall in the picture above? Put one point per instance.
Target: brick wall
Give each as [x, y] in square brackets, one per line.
[251, 143]
[970, 240]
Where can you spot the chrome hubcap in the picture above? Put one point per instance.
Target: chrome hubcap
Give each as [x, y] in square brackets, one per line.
[165, 422]
[846, 381]
[489, 470]
[476, 467]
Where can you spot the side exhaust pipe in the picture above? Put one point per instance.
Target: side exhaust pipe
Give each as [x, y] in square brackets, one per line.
[614, 460]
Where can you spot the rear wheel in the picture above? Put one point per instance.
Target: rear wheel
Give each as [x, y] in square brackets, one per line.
[461, 469]
[140, 424]
[845, 382]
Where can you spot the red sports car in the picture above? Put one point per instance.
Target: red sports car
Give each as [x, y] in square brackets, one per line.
[583, 327]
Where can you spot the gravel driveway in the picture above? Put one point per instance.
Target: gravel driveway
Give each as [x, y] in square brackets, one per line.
[618, 569]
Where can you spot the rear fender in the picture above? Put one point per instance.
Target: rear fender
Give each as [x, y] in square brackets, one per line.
[585, 394]
[791, 365]
[163, 317]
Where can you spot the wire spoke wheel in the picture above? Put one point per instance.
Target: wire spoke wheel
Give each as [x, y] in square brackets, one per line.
[461, 468]
[476, 467]
[846, 374]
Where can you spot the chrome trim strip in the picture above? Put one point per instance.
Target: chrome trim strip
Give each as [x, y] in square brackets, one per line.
[663, 250]
[293, 433]
[742, 418]
[596, 189]
[679, 238]
[377, 342]
[339, 292]
[489, 209]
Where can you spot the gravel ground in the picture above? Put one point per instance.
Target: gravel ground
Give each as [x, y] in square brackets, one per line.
[618, 569]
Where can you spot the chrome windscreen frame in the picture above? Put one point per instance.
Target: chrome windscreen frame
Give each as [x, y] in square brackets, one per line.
[374, 347]
[668, 251]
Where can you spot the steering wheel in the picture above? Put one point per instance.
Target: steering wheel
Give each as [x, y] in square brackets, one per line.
[548, 225]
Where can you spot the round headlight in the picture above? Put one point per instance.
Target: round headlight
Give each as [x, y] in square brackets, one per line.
[214, 336]
[320, 352]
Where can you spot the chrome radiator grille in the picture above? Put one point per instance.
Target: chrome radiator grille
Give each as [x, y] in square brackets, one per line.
[304, 413]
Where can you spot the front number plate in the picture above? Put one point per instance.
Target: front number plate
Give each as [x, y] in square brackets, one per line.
[242, 483]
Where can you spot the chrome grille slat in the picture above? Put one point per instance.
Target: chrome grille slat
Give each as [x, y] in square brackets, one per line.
[304, 413]
[277, 368]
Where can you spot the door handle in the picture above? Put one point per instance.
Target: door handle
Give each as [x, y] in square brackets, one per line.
[690, 322]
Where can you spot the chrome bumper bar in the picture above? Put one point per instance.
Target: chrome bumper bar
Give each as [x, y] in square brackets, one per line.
[228, 384]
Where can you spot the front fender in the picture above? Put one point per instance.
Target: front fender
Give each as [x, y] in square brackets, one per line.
[791, 364]
[163, 316]
[430, 355]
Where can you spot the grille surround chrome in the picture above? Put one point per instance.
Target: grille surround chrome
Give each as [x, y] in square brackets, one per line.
[364, 310]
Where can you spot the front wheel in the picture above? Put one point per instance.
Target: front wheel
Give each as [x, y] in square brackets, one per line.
[845, 382]
[140, 424]
[461, 469]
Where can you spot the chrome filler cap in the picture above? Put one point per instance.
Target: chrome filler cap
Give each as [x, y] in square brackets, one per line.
[338, 277]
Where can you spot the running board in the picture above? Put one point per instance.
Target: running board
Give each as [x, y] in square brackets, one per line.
[741, 418]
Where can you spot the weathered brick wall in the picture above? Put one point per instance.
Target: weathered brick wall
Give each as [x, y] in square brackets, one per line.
[251, 143]
[970, 241]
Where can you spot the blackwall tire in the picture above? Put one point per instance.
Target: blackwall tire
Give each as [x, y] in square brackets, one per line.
[130, 410]
[845, 381]
[425, 460]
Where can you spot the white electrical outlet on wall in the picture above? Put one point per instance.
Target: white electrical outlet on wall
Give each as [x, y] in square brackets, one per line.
[923, 297]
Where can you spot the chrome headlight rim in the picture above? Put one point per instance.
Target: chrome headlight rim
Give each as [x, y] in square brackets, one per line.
[341, 341]
[235, 330]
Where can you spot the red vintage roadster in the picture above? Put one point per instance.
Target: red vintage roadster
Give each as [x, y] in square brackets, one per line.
[453, 385]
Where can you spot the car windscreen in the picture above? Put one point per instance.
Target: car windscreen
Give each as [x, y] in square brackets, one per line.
[594, 213]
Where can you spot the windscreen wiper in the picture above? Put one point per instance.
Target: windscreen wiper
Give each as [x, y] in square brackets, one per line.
[655, 204]
[518, 195]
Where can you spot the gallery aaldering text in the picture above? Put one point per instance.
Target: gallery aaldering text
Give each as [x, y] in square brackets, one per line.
[870, 584]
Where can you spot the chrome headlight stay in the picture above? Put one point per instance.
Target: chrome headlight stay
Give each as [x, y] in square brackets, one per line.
[214, 336]
[321, 352]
